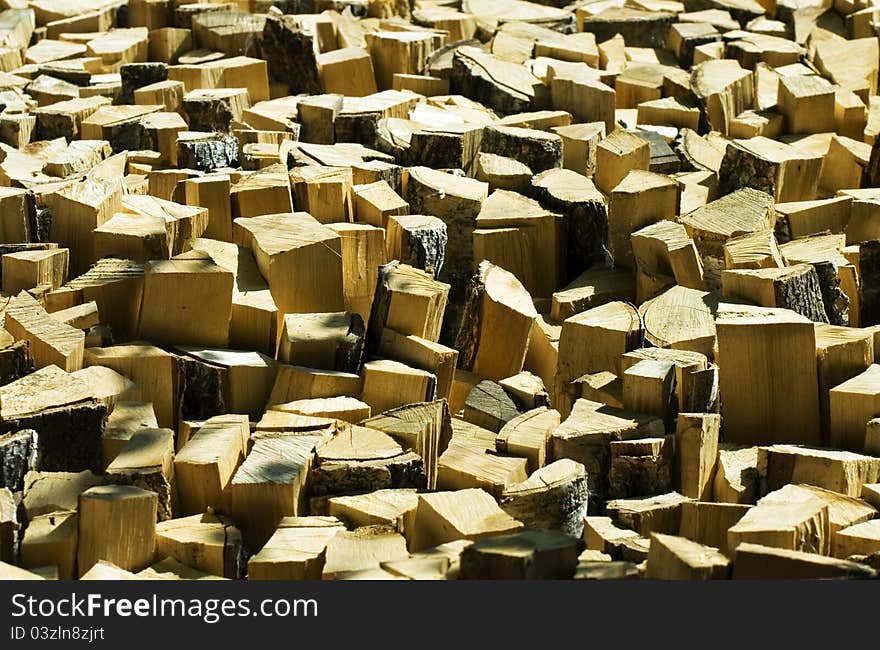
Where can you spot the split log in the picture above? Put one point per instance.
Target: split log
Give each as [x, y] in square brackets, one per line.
[488, 406]
[270, 485]
[553, 497]
[204, 542]
[424, 428]
[660, 514]
[464, 514]
[146, 462]
[527, 555]
[677, 558]
[707, 523]
[496, 321]
[296, 550]
[361, 460]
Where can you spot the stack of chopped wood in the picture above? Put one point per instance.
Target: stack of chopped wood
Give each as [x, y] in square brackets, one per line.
[434, 290]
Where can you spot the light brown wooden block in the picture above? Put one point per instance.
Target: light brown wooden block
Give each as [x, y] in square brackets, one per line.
[146, 461]
[296, 551]
[639, 199]
[51, 540]
[807, 102]
[206, 464]
[51, 342]
[398, 52]
[799, 526]
[756, 561]
[851, 405]
[204, 542]
[677, 558]
[708, 523]
[300, 259]
[528, 436]
[464, 514]
[696, 451]
[296, 382]
[270, 485]
[749, 407]
[188, 302]
[389, 384]
[80, 208]
[152, 369]
[117, 523]
[592, 341]
[331, 341]
[423, 354]
[324, 192]
[841, 471]
[648, 387]
[408, 301]
[617, 155]
[253, 324]
[593, 287]
[658, 514]
[29, 269]
[363, 252]
[461, 468]
[348, 71]
[375, 202]
[347, 409]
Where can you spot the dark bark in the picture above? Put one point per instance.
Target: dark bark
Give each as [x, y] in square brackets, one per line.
[664, 160]
[471, 78]
[18, 456]
[451, 149]
[560, 506]
[834, 299]
[206, 155]
[800, 292]
[290, 54]
[69, 438]
[539, 149]
[201, 389]
[15, 362]
[488, 406]
[585, 221]
[740, 168]
[425, 248]
[638, 28]
[637, 476]
[151, 479]
[138, 75]
[357, 477]
[467, 336]
[208, 114]
[869, 291]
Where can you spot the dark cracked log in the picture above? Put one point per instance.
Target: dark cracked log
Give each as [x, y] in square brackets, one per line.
[69, 438]
[501, 85]
[290, 53]
[18, 456]
[138, 75]
[869, 291]
[15, 362]
[418, 240]
[207, 152]
[540, 149]
[201, 389]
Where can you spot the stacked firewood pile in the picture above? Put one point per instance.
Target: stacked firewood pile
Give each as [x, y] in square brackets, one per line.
[374, 289]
